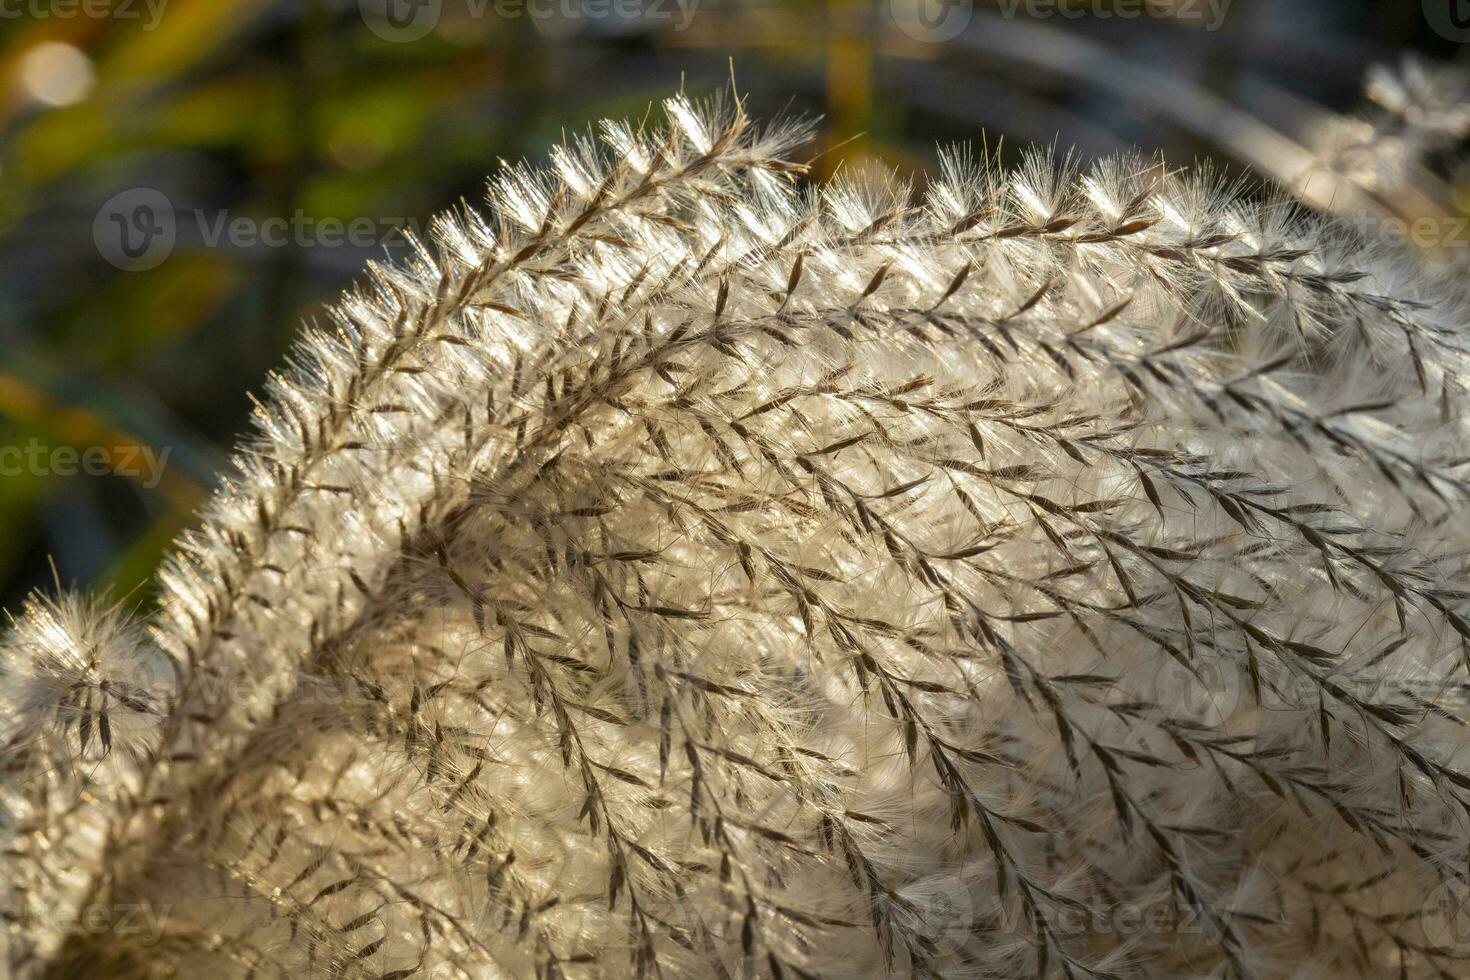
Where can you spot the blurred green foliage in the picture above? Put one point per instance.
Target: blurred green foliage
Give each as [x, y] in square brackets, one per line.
[265, 108]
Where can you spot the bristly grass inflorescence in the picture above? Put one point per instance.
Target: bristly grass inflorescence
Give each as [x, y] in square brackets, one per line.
[678, 571]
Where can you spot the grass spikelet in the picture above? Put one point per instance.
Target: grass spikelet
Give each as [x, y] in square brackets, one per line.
[677, 572]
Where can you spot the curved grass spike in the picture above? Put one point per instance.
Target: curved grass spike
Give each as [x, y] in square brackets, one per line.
[677, 572]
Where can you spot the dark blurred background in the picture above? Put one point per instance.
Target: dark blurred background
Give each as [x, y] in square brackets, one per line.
[183, 182]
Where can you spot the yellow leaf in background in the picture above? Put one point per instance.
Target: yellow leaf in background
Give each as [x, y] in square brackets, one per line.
[187, 34]
[239, 109]
[62, 141]
[152, 309]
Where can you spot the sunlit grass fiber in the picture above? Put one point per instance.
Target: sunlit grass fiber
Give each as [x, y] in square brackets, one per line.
[676, 571]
